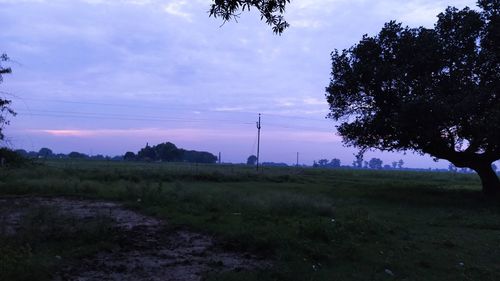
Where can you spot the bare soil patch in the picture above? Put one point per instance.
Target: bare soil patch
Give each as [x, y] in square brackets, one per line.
[148, 249]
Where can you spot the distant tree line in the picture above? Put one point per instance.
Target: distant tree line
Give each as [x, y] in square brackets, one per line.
[164, 152]
[359, 163]
[168, 152]
[324, 163]
[375, 163]
[252, 161]
[274, 164]
[47, 153]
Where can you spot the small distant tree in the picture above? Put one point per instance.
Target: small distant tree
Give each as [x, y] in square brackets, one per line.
[61, 156]
[193, 156]
[400, 164]
[252, 160]
[77, 155]
[334, 163]
[99, 157]
[395, 165]
[375, 163]
[358, 161]
[322, 162]
[129, 156]
[45, 153]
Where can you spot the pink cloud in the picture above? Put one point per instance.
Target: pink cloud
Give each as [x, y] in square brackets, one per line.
[194, 134]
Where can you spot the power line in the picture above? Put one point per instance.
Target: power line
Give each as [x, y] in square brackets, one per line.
[127, 116]
[100, 117]
[169, 107]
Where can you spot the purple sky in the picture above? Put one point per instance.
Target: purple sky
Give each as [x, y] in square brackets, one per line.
[105, 77]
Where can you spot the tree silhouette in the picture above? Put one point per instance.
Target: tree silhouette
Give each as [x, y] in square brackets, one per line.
[45, 152]
[334, 163]
[322, 162]
[358, 162]
[77, 155]
[168, 152]
[4, 104]
[270, 10]
[434, 91]
[375, 163]
[147, 153]
[252, 160]
[129, 156]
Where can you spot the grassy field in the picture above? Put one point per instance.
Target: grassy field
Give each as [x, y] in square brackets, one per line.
[314, 224]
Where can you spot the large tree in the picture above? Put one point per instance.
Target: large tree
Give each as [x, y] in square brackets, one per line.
[434, 91]
[270, 10]
[4, 103]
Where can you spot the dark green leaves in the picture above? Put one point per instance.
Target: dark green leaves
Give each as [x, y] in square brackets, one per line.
[270, 10]
[422, 89]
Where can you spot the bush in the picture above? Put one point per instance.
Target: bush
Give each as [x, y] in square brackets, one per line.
[9, 158]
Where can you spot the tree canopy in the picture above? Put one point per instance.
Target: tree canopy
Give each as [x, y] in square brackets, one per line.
[270, 10]
[168, 152]
[433, 91]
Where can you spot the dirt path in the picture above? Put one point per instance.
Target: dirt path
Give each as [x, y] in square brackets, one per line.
[150, 251]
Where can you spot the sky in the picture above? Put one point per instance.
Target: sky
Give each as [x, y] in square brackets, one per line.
[109, 76]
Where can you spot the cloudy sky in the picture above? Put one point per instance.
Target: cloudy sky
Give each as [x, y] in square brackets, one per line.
[107, 76]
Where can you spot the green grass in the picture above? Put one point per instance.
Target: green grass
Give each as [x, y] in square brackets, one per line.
[314, 224]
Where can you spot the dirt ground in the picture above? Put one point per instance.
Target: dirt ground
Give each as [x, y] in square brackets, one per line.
[151, 251]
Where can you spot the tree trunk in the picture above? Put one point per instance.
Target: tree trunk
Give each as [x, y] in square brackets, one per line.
[489, 179]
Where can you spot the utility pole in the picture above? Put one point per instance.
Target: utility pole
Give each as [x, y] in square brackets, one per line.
[297, 159]
[258, 142]
[219, 159]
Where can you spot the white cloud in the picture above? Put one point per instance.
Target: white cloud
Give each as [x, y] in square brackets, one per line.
[190, 134]
[314, 101]
[306, 23]
[176, 8]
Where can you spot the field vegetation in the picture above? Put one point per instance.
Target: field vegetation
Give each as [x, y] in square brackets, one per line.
[313, 224]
